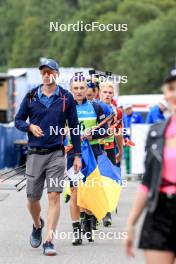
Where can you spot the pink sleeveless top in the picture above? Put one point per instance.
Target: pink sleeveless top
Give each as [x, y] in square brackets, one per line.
[169, 162]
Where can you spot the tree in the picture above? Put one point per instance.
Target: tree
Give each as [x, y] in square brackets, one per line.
[148, 56]
[32, 37]
[9, 21]
[69, 45]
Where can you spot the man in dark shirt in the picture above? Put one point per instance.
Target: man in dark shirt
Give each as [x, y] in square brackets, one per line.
[48, 107]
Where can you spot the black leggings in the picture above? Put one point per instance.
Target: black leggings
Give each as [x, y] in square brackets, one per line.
[111, 155]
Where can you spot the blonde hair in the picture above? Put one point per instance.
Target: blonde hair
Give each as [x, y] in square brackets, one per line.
[106, 84]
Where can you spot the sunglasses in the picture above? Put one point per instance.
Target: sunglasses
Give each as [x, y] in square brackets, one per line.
[49, 72]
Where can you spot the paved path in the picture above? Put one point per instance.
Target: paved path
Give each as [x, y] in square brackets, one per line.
[15, 227]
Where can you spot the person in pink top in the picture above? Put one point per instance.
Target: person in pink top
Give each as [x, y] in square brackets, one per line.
[157, 192]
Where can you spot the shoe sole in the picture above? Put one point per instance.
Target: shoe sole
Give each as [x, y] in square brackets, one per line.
[50, 254]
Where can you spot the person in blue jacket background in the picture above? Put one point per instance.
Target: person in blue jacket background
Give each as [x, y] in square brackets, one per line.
[156, 113]
[130, 117]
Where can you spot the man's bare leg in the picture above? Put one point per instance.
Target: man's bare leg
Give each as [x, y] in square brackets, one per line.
[35, 209]
[53, 214]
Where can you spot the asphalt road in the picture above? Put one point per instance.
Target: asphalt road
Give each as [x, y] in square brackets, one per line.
[15, 228]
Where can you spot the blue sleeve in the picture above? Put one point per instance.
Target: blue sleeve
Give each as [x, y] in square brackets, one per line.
[105, 108]
[73, 124]
[140, 119]
[96, 134]
[125, 124]
[107, 111]
[149, 118]
[22, 116]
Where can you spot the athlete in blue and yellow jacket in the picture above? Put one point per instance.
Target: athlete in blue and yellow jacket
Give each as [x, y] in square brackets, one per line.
[89, 115]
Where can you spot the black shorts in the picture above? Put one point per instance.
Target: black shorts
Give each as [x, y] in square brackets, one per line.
[159, 227]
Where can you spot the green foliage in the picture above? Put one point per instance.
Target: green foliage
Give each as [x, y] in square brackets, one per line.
[144, 52]
[147, 57]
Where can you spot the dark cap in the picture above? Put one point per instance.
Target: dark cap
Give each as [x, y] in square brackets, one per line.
[77, 78]
[52, 64]
[91, 84]
[171, 76]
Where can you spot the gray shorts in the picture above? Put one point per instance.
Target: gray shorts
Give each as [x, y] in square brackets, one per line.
[49, 167]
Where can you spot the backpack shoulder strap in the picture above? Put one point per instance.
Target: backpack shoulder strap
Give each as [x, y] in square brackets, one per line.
[63, 96]
[31, 94]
